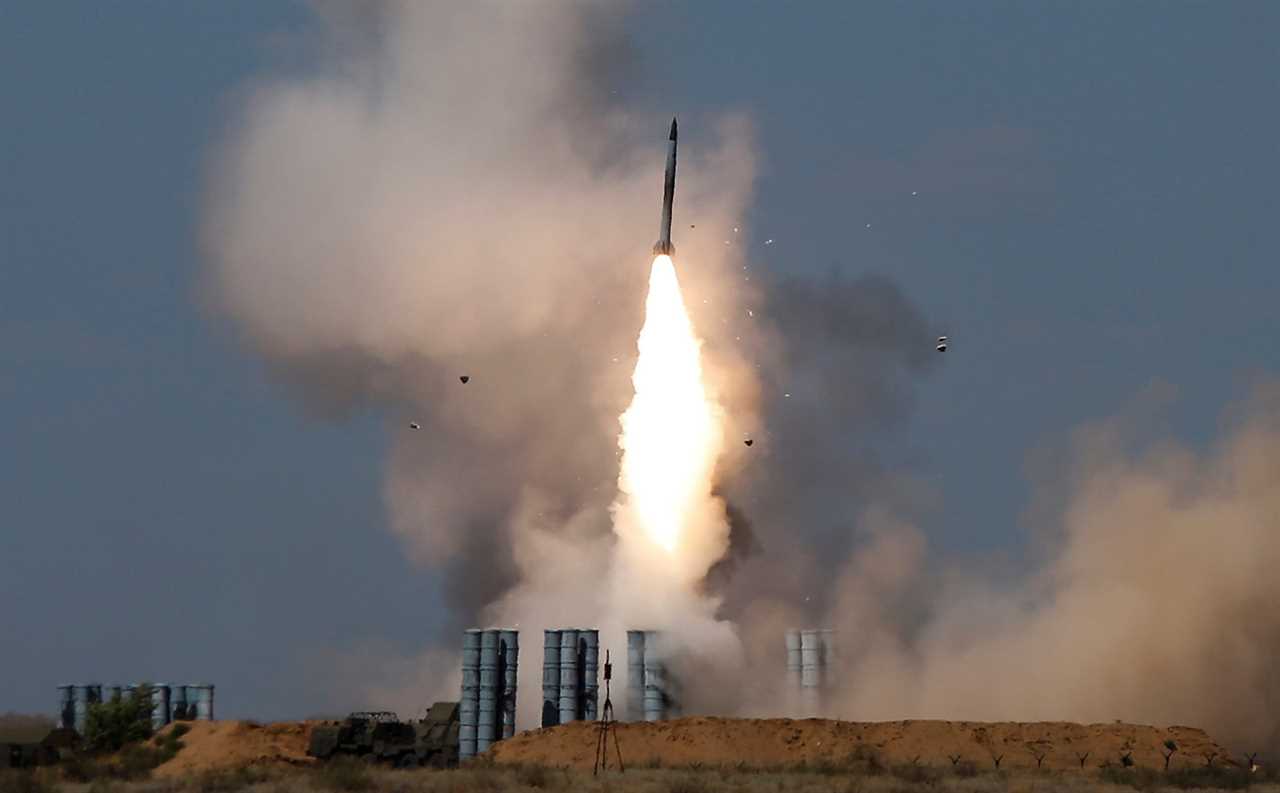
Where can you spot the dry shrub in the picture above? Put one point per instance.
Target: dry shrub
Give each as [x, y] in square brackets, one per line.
[917, 774]
[345, 774]
[534, 776]
[687, 783]
[965, 769]
[229, 780]
[478, 778]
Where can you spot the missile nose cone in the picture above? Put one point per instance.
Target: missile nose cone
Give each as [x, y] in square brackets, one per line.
[673, 128]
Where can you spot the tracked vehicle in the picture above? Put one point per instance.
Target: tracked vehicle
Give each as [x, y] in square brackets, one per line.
[380, 737]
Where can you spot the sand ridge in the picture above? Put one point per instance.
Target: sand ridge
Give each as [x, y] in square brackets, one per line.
[783, 742]
[216, 745]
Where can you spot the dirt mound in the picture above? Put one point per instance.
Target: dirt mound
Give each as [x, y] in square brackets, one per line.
[764, 743]
[216, 745]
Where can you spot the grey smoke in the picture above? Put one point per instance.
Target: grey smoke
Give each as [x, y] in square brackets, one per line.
[843, 353]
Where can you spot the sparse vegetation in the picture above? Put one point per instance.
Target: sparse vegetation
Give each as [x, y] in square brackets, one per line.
[354, 776]
[1038, 753]
[110, 726]
[345, 774]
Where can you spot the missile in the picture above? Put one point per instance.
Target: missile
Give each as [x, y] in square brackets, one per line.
[663, 246]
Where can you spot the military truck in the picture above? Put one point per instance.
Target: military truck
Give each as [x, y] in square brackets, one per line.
[380, 737]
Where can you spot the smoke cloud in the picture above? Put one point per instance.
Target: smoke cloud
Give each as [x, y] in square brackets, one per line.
[1153, 606]
[448, 189]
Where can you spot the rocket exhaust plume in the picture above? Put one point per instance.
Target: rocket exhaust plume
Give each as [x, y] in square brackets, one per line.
[671, 433]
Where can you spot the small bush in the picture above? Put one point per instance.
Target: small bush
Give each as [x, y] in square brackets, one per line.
[110, 726]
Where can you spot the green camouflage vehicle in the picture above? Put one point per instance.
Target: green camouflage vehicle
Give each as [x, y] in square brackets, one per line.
[380, 737]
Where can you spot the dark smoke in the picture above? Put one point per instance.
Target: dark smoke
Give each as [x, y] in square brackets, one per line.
[848, 352]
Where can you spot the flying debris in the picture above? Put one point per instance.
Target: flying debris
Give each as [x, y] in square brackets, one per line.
[663, 246]
[465, 379]
[413, 425]
[942, 344]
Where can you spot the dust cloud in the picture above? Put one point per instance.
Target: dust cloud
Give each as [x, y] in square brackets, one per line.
[1153, 604]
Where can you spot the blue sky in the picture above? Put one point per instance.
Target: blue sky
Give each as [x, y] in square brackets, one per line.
[1093, 212]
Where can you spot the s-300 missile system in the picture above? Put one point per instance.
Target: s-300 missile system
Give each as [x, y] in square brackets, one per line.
[380, 737]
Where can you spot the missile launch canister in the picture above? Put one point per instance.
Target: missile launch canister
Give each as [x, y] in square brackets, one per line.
[663, 246]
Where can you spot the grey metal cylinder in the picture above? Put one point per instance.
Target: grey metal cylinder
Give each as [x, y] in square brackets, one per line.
[80, 707]
[469, 704]
[655, 696]
[793, 658]
[830, 670]
[810, 672]
[827, 640]
[203, 701]
[67, 707]
[635, 676]
[178, 703]
[662, 694]
[510, 646]
[794, 665]
[550, 678]
[570, 679]
[487, 716]
[590, 673]
[159, 706]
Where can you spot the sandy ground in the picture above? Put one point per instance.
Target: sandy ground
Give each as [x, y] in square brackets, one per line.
[783, 742]
[753, 742]
[212, 745]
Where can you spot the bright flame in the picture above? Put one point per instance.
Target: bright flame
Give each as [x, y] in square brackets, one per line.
[671, 433]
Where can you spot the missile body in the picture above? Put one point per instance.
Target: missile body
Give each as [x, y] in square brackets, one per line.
[663, 246]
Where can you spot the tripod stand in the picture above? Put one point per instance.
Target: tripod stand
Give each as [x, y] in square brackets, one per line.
[607, 725]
